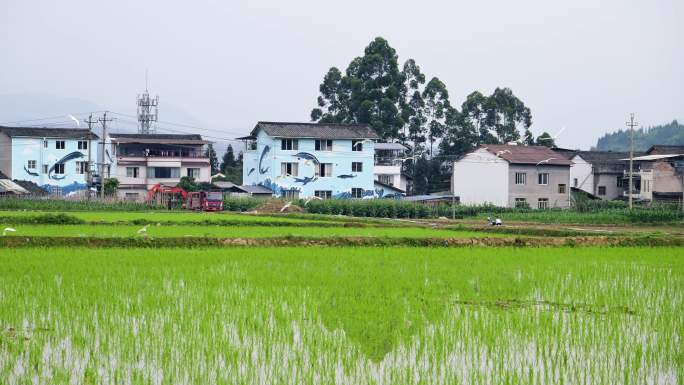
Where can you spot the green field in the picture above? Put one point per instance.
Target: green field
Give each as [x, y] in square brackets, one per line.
[217, 231]
[342, 315]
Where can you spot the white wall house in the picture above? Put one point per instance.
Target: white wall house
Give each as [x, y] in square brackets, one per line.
[481, 177]
[512, 176]
[140, 161]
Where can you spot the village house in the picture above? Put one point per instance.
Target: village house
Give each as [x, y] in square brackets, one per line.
[141, 161]
[512, 176]
[658, 175]
[389, 178]
[599, 173]
[301, 160]
[58, 160]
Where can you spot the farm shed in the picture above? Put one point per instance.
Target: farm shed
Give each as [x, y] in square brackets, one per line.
[232, 190]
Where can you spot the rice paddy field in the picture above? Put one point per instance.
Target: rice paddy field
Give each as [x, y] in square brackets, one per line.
[329, 315]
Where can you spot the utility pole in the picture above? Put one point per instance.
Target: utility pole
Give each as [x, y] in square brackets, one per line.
[104, 121]
[631, 124]
[89, 171]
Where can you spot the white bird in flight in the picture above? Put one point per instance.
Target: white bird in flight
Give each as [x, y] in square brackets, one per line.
[143, 230]
[306, 202]
[288, 204]
[4, 232]
[78, 123]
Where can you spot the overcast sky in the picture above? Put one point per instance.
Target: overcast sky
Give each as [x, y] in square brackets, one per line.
[581, 64]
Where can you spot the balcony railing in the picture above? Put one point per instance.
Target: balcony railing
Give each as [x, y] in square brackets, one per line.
[387, 161]
[162, 154]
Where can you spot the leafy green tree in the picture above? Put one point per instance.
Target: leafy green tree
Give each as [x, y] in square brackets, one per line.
[460, 136]
[228, 160]
[528, 138]
[213, 160]
[110, 186]
[505, 114]
[369, 92]
[437, 106]
[412, 105]
[473, 112]
[188, 184]
[545, 139]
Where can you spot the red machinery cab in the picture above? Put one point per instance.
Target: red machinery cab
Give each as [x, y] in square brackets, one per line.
[205, 201]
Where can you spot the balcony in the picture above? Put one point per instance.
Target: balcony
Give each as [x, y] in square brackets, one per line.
[387, 161]
[161, 154]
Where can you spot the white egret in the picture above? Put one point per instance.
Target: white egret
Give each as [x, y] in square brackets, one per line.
[143, 230]
[287, 205]
[4, 232]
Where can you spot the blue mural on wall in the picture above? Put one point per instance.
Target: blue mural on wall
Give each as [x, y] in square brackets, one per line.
[307, 156]
[305, 180]
[30, 172]
[65, 158]
[346, 176]
[251, 170]
[265, 152]
[65, 190]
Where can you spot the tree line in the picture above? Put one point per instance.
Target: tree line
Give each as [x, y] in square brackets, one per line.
[666, 134]
[402, 105]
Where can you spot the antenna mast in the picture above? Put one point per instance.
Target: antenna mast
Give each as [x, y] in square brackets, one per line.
[148, 111]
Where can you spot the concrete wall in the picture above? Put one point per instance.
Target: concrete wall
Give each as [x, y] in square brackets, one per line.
[6, 154]
[532, 190]
[263, 167]
[481, 177]
[581, 171]
[609, 181]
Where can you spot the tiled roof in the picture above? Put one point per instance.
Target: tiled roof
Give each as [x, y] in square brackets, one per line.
[527, 154]
[316, 130]
[605, 156]
[661, 149]
[45, 132]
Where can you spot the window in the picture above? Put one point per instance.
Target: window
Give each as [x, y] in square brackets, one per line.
[357, 145]
[59, 168]
[619, 182]
[386, 179]
[132, 197]
[45, 169]
[289, 169]
[56, 191]
[543, 203]
[81, 167]
[59, 144]
[562, 188]
[357, 192]
[601, 190]
[82, 144]
[324, 170]
[323, 145]
[323, 194]
[520, 178]
[289, 144]
[357, 167]
[291, 194]
[543, 178]
[521, 203]
[45, 143]
[31, 164]
[575, 182]
[132, 172]
[163, 172]
[193, 172]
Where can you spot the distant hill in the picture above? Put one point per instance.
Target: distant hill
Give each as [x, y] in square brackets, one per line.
[672, 134]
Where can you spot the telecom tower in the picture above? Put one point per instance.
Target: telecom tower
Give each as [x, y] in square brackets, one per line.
[148, 112]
